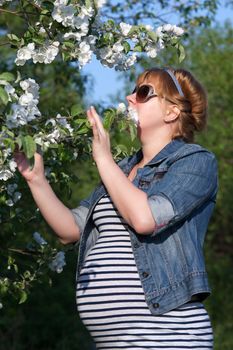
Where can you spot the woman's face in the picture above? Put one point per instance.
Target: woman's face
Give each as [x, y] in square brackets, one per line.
[152, 113]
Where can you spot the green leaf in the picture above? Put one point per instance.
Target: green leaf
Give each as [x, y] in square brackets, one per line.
[181, 52]
[7, 76]
[138, 48]
[38, 40]
[126, 46]
[23, 297]
[3, 95]
[68, 44]
[153, 36]
[9, 143]
[65, 56]
[83, 130]
[13, 37]
[29, 146]
[111, 23]
[132, 131]
[19, 142]
[53, 145]
[109, 117]
[76, 109]
[18, 77]
[48, 5]
[88, 3]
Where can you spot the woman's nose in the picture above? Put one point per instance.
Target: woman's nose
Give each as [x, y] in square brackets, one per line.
[131, 98]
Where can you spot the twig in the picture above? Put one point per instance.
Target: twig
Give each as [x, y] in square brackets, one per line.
[24, 252]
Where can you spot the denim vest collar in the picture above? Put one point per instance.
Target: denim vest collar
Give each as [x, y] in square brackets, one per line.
[128, 163]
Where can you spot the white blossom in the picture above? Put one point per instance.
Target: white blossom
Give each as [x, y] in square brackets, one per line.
[25, 53]
[148, 27]
[100, 3]
[86, 12]
[11, 188]
[151, 51]
[6, 152]
[133, 115]
[46, 53]
[178, 30]
[125, 28]
[26, 109]
[54, 136]
[9, 202]
[170, 29]
[5, 174]
[91, 39]
[26, 99]
[73, 35]
[85, 53]
[63, 13]
[130, 61]
[58, 262]
[62, 121]
[82, 24]
[121, 108]
[39, 239]
[12, 165]
[117, 47]
[17, 196]
[10, 90]
[30, 86]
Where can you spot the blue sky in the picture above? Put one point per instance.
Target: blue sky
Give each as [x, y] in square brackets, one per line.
[106, 80]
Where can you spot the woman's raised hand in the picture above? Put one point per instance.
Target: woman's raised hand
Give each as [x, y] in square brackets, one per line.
[36, 173]
[101, 148]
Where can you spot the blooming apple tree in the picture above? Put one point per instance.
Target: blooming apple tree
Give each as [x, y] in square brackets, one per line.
[73, 31]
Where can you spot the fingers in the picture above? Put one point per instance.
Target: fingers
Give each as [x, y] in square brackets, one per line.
[95, 122]
[18, 156]
[92, 121]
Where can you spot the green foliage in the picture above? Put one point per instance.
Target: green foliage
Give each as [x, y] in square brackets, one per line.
[48, 320]
[210, 59]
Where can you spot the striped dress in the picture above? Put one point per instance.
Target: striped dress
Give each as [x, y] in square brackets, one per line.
[111, 301]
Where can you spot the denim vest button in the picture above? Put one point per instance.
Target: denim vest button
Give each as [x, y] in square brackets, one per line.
[155, 305]
[136, 245]
[145, 274]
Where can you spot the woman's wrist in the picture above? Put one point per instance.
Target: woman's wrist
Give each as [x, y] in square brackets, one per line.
[104, 161]
[37, 181]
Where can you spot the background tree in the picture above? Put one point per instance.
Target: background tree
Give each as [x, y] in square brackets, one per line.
[63, 86]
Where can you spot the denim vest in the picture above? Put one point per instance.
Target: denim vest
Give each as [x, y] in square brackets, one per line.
[181, 185]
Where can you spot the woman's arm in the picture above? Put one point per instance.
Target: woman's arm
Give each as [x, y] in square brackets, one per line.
[131, 202]
[57, 215]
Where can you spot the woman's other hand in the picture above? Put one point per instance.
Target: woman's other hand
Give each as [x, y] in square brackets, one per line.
[37, 172]
[101, 148]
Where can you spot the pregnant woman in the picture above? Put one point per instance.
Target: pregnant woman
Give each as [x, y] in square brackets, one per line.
[141, 276]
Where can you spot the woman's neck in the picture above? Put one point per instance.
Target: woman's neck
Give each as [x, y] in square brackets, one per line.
[150, 150]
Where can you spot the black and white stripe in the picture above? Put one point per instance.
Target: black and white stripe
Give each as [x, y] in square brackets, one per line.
[111, 301]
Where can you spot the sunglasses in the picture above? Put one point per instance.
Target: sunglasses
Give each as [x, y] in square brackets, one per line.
[144, 93]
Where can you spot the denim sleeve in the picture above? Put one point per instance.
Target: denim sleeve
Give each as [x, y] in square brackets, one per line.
[188, 183]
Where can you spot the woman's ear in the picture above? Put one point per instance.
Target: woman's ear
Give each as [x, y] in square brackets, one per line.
[172, 114]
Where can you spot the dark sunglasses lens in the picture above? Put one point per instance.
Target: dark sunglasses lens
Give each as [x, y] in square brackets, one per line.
[143, 92]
